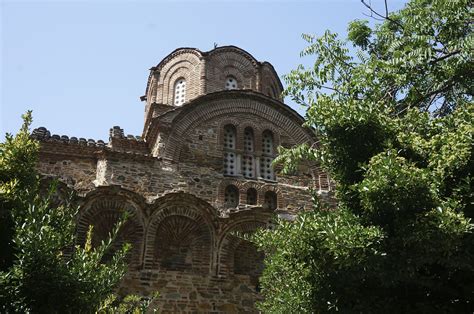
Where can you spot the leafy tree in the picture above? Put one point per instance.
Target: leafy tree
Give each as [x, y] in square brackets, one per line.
[37, 274]
[395, 123]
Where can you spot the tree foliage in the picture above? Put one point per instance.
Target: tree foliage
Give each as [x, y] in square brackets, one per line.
[395, 121]
[39, 273]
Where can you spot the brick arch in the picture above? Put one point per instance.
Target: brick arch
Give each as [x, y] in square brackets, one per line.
[155, 77]
[102, 209]
[256, 131]
[220, 62]
[183, 65]
[270, 81]
[220, 131]
[251, 185]
[237, 256]
[170, 81]
[235, 50]
[276, 136]
[229, 103]
[234, 72]
[222, 186]
[181, 234]
[281, 203]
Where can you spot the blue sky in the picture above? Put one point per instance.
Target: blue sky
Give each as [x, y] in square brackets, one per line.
[81, 66]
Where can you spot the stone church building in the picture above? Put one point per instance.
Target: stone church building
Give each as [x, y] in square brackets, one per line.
[201, 171]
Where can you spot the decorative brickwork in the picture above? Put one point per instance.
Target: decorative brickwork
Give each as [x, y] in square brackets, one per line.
[199, 176]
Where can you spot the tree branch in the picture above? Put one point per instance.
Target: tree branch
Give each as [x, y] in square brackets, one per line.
[340, 92]
[386, 17]
[434, 93]
[445, 56]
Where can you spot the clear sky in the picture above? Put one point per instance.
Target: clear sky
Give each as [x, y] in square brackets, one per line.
[81, 66]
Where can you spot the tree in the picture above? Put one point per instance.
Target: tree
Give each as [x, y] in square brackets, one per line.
[395, 123]
[36, 275]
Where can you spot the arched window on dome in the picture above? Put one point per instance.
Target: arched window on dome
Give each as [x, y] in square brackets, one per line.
[179, 92]
[251, 196]
[230, 156]
[248, 163]
[231, 196]
[266, 167]
[231, 83]
[270, 201]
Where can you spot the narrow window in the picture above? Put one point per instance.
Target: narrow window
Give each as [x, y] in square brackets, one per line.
[248, 168]
[231, 196]
[229, 150]
[251, 196]
[266, 168]
[179, 92]
[270, 200]
[230, 83]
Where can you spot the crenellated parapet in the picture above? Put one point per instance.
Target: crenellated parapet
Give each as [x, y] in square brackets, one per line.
[44, 135]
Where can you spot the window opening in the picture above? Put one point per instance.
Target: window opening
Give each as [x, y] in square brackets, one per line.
[230, 83]
[266, 167]
[251, 196]
[179, 92]
[231, 196]
[270, 200]
[229, 150]
[248, 167]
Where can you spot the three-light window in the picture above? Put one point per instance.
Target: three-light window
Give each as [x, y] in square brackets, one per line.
[246, 161]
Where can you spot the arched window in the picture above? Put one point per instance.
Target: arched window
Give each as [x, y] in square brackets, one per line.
[251, 196]
[179, 92]
[266, 168]
[231, 196]
[230, 83]
[270, 201]
[230, 156]
[248, 167]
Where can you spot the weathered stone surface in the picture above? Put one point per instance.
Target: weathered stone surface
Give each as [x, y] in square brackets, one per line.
[172, 181]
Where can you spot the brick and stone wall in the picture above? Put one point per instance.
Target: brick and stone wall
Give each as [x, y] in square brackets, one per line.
[172, 181]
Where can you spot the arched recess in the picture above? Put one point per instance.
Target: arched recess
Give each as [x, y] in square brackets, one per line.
[254, 189]
[181, 234]
[225, 61]
[220, 201]
[180, 71]
[154, 90]
[204, 110]
[273, 191]
[102, 209]
[237, 256]
[181, 65]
